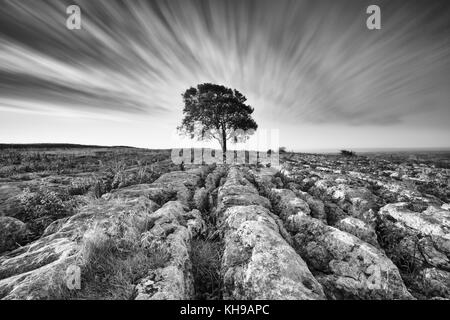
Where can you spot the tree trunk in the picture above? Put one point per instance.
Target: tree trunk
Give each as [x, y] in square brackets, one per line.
[224, 145]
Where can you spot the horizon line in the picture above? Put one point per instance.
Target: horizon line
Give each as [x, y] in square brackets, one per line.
[295, 150]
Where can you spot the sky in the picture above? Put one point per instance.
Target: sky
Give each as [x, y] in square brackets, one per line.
[311, 69]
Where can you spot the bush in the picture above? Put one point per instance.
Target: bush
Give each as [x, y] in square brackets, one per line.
[348, 153]
[45, 203]
[41, 208]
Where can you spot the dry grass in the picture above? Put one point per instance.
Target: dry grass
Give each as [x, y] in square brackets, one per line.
[206, 257]
[113, 261]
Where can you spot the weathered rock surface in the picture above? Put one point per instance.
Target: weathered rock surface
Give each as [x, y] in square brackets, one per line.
[10, 207]
[12, 231]
[429, 230]
[313, 231]
[9, 201]
[422, 239]
[156, 194]
[174, 227]
[258, 263]
[141, 191]
[434, 282]
[287, 204]
[317, 206]
[359, 229]
[38, 270]
[183, 182]
[176, 185]
[358, 202]
[334, 213]
[238, 191]
[347, 267]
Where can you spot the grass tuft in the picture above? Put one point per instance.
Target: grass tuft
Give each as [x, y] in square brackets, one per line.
[206, 257]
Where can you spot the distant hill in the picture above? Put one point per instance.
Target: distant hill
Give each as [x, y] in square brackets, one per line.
[4, 146]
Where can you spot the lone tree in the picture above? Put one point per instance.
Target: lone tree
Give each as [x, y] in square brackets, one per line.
[348, 153]
[282, 150]
[214, 111]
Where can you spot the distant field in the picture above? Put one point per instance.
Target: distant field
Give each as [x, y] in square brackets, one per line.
[46, 146]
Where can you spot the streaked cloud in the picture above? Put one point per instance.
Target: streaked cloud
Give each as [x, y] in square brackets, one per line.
[311, 62]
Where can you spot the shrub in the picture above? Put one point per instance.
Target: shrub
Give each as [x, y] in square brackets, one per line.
[348, 153]
[6, 171]
[44, 202]
[41, 208]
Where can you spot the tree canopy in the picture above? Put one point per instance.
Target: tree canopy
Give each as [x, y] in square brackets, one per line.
[214, 111]
[348, 153]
